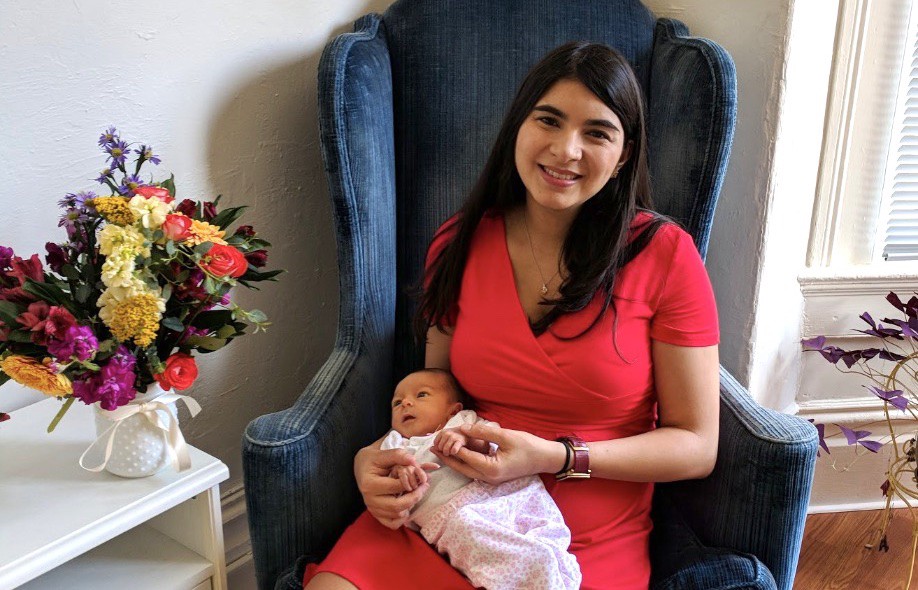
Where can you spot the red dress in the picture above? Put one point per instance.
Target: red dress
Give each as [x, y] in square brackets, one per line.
[553, 387]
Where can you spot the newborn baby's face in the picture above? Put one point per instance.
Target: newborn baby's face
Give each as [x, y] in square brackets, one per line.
[422, 404]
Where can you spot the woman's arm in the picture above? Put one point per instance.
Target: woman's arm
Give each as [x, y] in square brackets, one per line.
[683, 447]
[685, 444]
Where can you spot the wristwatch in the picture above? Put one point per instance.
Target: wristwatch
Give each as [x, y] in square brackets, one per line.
[580, 465]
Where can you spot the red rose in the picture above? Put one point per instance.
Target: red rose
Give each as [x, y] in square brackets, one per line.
[180, 372]
[221, 261]
[149, 192]
[59, 320]
[176, 227]
[258, 258]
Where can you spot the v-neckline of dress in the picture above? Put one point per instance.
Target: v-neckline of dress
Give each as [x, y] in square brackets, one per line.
[512, 280]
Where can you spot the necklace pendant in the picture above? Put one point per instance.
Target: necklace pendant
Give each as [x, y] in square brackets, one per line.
[544, 289]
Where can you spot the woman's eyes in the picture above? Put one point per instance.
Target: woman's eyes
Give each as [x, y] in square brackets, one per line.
[553, 122]
[599, 135]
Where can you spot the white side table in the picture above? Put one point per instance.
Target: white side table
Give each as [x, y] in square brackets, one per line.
[63, 527]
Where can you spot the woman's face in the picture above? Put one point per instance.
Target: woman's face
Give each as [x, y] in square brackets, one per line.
[568, 147]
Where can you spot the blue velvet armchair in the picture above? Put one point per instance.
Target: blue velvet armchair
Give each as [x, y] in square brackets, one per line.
[409, 105]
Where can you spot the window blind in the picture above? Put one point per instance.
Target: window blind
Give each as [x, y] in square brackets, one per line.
[899, 212]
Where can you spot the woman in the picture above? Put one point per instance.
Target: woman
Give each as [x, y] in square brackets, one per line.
[568, 311]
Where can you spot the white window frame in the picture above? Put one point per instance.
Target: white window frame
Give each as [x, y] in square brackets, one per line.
[842, 201]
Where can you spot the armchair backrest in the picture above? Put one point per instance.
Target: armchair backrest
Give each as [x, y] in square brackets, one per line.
[455, 67]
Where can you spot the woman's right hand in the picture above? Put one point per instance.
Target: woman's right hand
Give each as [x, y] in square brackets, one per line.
[383, 495]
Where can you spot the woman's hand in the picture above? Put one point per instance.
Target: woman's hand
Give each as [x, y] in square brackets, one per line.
[518, 454]
[382, 494]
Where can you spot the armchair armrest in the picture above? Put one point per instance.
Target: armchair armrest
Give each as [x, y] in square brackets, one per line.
[756, 498]
[298, 463]
[691, 117]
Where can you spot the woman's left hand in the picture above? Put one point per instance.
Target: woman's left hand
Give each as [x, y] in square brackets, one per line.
[518, 454]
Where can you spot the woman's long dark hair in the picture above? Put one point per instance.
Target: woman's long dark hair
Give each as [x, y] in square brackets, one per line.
[598, 243]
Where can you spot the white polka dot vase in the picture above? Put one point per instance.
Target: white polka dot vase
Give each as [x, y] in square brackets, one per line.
[138, 448]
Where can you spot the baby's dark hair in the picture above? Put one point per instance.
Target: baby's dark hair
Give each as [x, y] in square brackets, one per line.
[455, 389]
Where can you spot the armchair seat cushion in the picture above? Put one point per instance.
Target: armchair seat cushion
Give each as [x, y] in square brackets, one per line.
[682, 562]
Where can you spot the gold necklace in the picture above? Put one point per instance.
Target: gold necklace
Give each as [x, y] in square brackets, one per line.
[545, 283]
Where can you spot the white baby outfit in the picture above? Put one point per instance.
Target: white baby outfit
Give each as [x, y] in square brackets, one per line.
[502, 537]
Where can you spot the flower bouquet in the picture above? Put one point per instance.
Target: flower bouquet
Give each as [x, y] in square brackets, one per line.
[893, 371]
[141, 285]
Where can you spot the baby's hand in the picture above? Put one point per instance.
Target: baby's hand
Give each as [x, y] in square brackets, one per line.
[411, 477]
[449, 441]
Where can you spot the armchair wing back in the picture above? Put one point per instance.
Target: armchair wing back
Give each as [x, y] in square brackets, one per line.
[409, 104]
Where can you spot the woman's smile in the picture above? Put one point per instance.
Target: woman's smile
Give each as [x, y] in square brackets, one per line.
[560, 178]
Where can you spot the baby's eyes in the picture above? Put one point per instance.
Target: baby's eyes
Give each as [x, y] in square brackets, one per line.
[423, 394]
[396, 403]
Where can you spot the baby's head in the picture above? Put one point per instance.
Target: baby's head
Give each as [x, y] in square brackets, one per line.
[424, 401]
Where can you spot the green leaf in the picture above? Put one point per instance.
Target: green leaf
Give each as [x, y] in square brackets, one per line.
[226, 332]
[213, 319]
[254, 276]
[173, 324]
[170, 248]
[204, 248]
[169, 185]
[207, 342]
[167, 292]
[19, 336]
[69, 271]
[8, 313]
[3, 377]
[227, 216]
[210, 285]
[259, 243]
[45, 291]
[182, 276]
[83, 292]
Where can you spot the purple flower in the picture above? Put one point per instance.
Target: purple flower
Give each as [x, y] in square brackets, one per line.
[108, 137]
[894, 397]
[856, 437]
[821, 431]
[105, 175]
[56, 257]
[146, 154]
[79, 342]
[123, 360]
[113, 386]
[192, 331]
[70, 219]
[6, 257]
[117, 152]
[130, 184]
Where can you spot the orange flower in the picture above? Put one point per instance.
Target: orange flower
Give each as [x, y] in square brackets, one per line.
[180, 372]
[35, 375]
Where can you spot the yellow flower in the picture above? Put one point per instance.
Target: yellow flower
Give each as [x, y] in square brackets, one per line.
[201, 232]
[137, 317]
[35, 375]
[114, 210]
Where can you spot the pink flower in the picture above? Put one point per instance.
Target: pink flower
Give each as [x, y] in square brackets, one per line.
[34, 319]
[59, 321]
[176, 227]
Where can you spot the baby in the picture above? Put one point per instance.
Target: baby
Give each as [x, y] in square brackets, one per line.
[507, 536]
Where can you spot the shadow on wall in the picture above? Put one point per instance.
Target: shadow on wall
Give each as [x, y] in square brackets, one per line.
[263, 151]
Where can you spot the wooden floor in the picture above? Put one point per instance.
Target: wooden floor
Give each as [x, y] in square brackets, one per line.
[833, 555]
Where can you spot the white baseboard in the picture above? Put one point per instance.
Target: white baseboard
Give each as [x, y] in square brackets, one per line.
[849, 478]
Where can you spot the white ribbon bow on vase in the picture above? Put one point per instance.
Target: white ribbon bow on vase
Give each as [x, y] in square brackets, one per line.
[152, 411]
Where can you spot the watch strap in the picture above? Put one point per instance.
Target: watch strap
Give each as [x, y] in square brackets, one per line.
[580, 465]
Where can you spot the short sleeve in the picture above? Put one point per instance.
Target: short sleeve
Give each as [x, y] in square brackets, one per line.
[686, 313]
